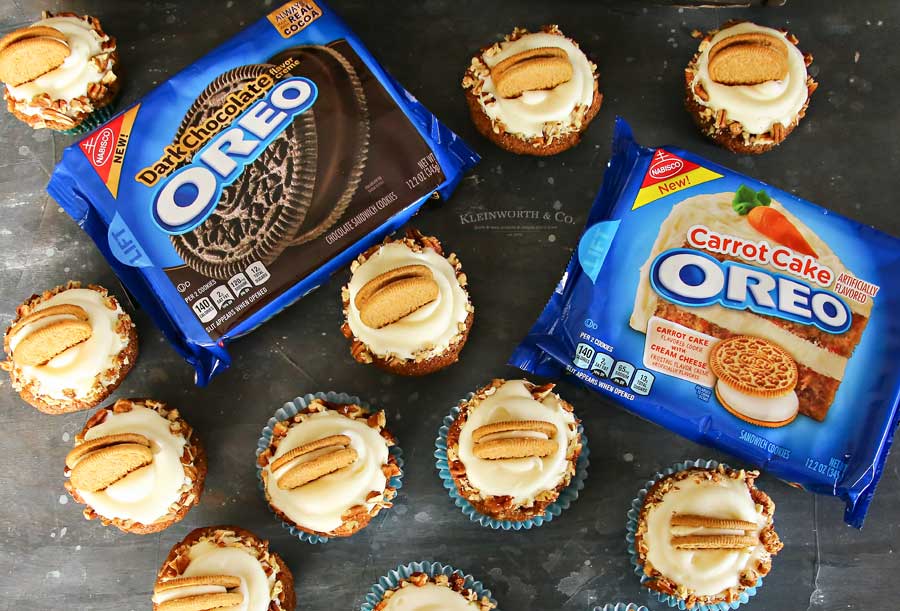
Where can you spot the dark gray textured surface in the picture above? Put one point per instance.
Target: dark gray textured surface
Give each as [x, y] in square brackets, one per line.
[842, 156]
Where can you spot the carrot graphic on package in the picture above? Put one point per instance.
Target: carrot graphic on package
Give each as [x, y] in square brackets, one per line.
[769, 221]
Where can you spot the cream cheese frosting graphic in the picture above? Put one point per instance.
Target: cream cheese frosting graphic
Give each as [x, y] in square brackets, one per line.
[520, 478]
[528, 113]
[764, 409]
[710, 571]
[145, 495]
[756, 107]
[206, 558]
[321, 504]
[76, 369]
[431, 328]
[429, 597]
[77, 73]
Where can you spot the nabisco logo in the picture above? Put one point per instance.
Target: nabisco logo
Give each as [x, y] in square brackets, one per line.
[100, 147]
[664, 165]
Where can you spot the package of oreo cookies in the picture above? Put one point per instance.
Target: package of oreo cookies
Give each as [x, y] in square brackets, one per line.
[243, 182]
[735, 314]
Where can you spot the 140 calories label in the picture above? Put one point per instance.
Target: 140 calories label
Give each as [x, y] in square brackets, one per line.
[679, 351]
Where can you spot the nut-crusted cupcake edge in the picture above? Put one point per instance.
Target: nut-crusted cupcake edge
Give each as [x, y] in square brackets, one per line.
[455, 581]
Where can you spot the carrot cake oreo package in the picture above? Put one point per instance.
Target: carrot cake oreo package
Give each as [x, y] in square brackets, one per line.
[735, 314]
[241, 183]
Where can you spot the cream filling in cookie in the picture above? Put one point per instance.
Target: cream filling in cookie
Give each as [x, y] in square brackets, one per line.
[77, 368]
[521, 478]
[186, 592]
[431, 328]
[144, 495]
[527, 114]
[320, 505]
[429, 597]
[705, 572]
[756, 107]
[206, 558]
[765, 409]
[77, 73]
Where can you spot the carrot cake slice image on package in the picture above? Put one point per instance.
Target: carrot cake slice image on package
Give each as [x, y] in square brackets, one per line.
[736, 314]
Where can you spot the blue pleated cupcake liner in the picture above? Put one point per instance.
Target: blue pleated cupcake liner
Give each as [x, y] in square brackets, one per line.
[92, 121]
[621, 607]
[291, 409]
[631, 529]
[566, 497]
[392, 581]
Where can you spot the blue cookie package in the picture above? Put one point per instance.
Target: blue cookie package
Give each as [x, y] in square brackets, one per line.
[240, 184]
[735, 314]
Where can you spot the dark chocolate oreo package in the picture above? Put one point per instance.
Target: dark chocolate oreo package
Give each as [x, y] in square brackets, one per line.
[243, 182]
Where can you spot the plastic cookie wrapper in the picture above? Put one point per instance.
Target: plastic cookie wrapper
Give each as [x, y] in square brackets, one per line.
[241, 183]
[735, 314]
[393, 579]
[291, 409]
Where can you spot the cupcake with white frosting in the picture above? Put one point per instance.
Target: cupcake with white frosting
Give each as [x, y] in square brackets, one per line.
[136, 465]
[703, 535]
[223, 567]
[424, 586]
[748, 86]
[533, 93]
[69, 348]
[512, 448]
[59, 72]
[328, 466]
[406, 307]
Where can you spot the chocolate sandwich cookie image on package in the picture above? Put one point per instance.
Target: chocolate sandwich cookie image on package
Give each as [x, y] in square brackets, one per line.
[242, 183]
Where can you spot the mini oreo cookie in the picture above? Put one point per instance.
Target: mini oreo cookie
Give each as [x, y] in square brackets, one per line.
[342, 123]
[263, 209]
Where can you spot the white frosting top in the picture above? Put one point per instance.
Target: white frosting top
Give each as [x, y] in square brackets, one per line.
[756, 107]
[76, 369]
[765, 409]
[320, 505]
[429, 597]
[521, 478]
[144, 495]
[206, 558]
[429, 329]
[77, 72]
[527, 114]
[706, 572]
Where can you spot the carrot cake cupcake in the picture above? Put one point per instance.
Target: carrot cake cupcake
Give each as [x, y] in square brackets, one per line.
[223, 567]
[421, 586]
[534, 93]
[513, 448]
[136, 465]
[705, 535]
[69, 348]
[747, 87]
[59, 71]
[406, 307]
[328, 469]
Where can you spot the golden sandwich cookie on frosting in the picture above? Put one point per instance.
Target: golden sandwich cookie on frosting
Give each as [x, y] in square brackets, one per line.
[136, 465]
[421, 592]
[406, 307]
[747, 87]
[533, 93]
[69, 348]
[223, 568]
[513, 448]
[328, 470]
[59, 70]
[705, 535]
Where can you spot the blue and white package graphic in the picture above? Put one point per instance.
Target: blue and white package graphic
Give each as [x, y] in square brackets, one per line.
[240, 184]
[735, 314]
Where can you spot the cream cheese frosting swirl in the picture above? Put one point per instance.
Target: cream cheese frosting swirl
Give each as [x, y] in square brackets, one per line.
[76, 370]
[756, 107]
[429, 330]
[320, 505]
[77, 73]
[207, 558]
[147, 494]
[528, 114]
[429, 597]
[522, 478]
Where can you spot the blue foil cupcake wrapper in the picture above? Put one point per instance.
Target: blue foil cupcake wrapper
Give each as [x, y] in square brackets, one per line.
[392, 580]
[93, 120]
[291, 409]
[631, 528]
[621, 607]
[566, 497]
